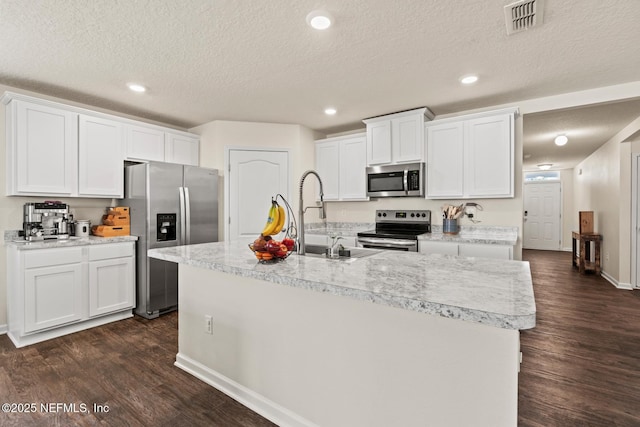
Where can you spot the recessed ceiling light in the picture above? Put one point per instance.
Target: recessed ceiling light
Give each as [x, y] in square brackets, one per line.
[544, 166]
[330, 111]
[561, 140]
[468, 80]
[319, 19]
[136, 87]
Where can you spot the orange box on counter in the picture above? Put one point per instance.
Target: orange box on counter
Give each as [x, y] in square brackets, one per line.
[110, 230]
[115, 219]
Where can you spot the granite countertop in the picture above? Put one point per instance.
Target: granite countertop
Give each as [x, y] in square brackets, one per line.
[492, 292]
[67, 243]
[491, 235]
[475, 234]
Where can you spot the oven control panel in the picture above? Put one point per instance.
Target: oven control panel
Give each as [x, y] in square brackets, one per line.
[412, 216]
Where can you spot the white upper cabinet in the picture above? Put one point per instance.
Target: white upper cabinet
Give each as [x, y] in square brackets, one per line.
[396, 138]
[181, 148]
[490, 157]
[341, 164]
[145, 143]
[159, 145]
[471, 156]
[445, 165]
[100, 157]
[42, 149]
[59, 150]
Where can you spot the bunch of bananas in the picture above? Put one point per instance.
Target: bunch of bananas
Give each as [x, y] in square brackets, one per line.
[275, 221]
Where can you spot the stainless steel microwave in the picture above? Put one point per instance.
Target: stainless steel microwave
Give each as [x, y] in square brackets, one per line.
[396, 180]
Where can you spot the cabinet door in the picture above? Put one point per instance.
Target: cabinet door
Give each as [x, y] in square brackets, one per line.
[353, 164]
[145, 143]
[489, 150]
[44, 147]
[53, 296]
[100, 152]
[328, 167]
[486, 251]
[407, 134]
[181, 149]
[445, 161]
[443, 248]
[379, 142]
[111, 286]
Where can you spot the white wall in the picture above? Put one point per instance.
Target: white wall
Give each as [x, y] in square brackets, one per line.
[602, 184]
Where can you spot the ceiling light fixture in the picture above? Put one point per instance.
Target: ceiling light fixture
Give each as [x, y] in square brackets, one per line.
[330, 111]
[544, 166]
[561, 140]
[319, 19]
[468, 80]
[136, 87]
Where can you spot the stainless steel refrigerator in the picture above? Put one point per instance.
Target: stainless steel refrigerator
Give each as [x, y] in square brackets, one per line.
[170, 205]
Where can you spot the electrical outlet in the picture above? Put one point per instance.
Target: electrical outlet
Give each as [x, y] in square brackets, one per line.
[208, 324]
[606, 256]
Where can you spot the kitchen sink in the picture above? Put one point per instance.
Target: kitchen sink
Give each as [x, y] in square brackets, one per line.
[321, 251]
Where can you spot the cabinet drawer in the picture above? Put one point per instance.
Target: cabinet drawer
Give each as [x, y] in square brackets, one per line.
[114, 250]
[48, 257]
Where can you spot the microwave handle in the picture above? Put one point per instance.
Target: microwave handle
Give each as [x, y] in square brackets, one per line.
[405, 180]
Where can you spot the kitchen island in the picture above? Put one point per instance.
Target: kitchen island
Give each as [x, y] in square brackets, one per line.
[388, 339]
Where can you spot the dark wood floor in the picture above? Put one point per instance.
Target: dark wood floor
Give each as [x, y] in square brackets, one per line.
[581, 365]
[128, 366]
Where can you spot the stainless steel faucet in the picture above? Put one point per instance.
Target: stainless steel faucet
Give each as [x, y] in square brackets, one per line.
[302, 210]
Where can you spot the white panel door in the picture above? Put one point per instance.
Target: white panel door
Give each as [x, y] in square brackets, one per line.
[46, 150]
[111, 285]
[53, 296]
[379, 143]
[100, 154]
[542, 222]
[353, 166]
[254, 177]
[445, 162]
[489, 152]
[145, 143]
[407, 136]
[328, 167]
[181, 149]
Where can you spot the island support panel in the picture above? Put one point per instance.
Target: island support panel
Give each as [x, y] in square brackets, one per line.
[305, 358]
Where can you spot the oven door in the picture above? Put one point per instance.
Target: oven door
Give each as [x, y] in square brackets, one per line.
[406, 245]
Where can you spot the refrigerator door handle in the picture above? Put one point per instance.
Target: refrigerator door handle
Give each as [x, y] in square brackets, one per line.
[182, 216]
[187, 205]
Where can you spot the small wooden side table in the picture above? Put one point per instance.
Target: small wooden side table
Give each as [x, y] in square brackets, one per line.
[582, 260]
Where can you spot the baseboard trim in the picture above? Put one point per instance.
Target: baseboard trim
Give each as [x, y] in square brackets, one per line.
[567, 249]
[3, 329]
[614, 282]
[249, 398]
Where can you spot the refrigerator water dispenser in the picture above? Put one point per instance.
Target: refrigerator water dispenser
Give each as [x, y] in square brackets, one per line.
[166, 227]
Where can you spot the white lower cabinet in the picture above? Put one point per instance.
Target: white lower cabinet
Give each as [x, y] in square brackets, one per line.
[53, 295]
[504, 252]
[110, 279]
[56, 291]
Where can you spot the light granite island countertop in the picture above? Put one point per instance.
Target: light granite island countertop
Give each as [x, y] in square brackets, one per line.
[388, 339]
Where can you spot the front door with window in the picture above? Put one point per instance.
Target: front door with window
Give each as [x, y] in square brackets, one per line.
[542, 220]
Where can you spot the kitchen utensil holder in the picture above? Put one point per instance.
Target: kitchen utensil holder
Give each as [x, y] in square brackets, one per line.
[450, 226]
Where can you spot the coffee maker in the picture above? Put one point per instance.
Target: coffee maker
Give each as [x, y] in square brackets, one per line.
[47, 220]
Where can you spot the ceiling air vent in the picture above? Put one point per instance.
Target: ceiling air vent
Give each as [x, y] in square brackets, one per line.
[523, 15]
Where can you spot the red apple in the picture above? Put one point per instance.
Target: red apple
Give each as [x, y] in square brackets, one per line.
[289, 243]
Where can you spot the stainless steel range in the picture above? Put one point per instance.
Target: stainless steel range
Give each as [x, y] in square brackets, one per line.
[396, 230]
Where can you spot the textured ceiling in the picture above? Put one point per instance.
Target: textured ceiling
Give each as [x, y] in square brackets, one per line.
[204, 60]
